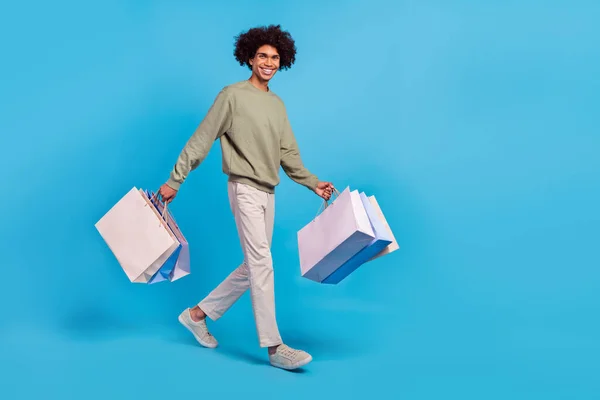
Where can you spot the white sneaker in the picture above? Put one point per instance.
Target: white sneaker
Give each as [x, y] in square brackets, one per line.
[198, 329]
[288, 358]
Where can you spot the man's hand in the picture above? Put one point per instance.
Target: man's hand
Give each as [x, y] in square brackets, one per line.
[324, 190]
[167, 193]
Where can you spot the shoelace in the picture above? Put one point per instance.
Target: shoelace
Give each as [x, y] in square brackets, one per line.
[206, 331]
[287, 352]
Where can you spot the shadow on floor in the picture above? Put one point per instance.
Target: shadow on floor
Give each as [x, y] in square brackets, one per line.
[96, 323]
[239, 346]
[325, 347]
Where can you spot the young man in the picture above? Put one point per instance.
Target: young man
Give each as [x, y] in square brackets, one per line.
[256, 139]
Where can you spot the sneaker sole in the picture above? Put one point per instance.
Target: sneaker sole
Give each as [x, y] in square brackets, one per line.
[189, 328]
[297, 365]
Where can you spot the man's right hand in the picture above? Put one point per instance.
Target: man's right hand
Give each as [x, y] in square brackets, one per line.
[324, 190]
[167, 193]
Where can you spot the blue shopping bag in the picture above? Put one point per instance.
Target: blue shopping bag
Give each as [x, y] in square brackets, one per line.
[383, 238]
[167, 268]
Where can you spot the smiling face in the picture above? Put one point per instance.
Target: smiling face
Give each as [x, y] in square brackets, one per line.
[265, 63]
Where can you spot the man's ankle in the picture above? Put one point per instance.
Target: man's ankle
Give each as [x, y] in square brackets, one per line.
[273, 349]
[197, 314]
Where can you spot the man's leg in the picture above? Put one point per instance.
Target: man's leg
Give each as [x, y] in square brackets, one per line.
[250, 206]
[215, 305]
[225, 295]
[235, 285]
[219, 300]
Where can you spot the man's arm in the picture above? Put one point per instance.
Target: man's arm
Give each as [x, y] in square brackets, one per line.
[291, 161]
[216, 122]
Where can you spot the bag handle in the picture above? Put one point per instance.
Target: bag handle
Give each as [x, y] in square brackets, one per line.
[164, 213]
[325, 204]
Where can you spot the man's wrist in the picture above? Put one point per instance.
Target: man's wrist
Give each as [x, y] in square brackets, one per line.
[314, 183]
[173, 184]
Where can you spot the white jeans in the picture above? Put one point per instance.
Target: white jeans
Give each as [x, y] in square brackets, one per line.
[254, 212]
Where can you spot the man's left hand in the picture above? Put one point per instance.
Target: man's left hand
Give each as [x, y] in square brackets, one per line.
[324, 190]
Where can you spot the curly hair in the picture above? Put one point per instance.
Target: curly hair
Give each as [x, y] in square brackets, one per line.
[247, 43]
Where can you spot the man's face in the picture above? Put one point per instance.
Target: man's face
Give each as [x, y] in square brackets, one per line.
[265, 63]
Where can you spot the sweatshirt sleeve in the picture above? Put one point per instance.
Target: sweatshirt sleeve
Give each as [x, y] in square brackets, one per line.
[216, 122]
[291, 161]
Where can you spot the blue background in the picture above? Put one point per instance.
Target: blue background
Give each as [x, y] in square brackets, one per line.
[476, 125]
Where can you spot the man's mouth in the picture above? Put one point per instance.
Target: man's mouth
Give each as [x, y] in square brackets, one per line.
[267, 71]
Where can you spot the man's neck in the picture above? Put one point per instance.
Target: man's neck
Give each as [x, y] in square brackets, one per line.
[259, 83]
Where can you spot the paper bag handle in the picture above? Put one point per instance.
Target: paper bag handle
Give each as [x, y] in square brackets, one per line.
[325, 204]
[164, 213]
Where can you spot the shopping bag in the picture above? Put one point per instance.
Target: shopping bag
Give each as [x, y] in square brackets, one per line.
[392, 246]
[164, 273]
[178, 264]
[137, 235]
[339, 232]
[165, 270]
[383, 238]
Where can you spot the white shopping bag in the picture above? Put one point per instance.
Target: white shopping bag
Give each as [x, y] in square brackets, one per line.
[334, 236]
[137, 235]
[392, 246]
